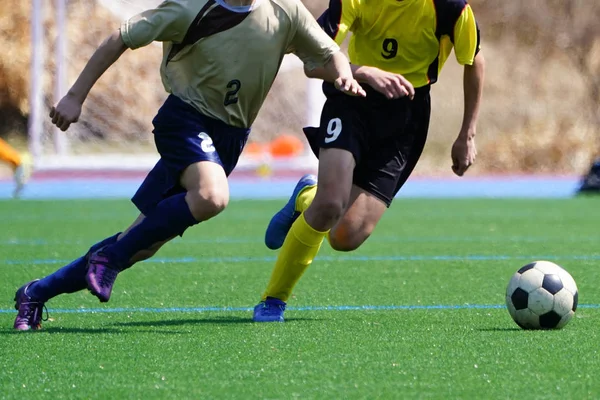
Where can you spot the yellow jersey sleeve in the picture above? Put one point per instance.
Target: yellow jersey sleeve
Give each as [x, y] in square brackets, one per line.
[168, 22]
[466, 37]
[339, 18]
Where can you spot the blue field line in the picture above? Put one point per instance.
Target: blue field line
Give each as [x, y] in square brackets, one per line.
[379, 239]
[233, 260]
[301, 308]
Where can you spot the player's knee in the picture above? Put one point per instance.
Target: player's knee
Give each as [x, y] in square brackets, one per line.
[328, 210]
[206, 203]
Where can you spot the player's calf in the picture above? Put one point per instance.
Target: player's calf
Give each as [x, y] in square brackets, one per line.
[359, 221]
[350, 233]
[341, 240]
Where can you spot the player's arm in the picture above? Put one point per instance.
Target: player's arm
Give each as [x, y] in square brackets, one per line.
[168, 22]
[319, 52]
[467, 50]
[391, 85]
[338, 71]
[68, 108]
[473, 91]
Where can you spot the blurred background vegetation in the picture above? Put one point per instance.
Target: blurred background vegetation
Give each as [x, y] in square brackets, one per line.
[541, 111]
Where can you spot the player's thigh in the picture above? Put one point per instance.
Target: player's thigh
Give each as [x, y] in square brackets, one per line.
[340, 139]
[358, 222]
[335, 174]
[333, 190]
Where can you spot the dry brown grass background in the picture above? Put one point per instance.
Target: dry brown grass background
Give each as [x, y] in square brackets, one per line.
[539, 113]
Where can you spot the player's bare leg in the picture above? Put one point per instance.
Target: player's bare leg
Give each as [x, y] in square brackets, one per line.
[305, 237]
[207, 189]
[336, 167]
[358, 222]
[207, 194]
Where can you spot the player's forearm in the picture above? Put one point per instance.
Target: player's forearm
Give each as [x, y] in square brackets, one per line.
[361, 73]
[473, 88]
[338, 66]
[104, 56]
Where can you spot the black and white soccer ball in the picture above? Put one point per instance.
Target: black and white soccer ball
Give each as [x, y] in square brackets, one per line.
[541, 295]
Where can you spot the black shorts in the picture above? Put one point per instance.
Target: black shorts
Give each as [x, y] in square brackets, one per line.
[386, 137]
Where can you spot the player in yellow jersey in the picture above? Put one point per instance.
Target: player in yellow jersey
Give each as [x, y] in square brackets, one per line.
[368, 147]
[19, 163]
[220, 60]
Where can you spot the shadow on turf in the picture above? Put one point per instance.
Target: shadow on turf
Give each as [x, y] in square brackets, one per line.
[59, 330]
[161, 323]
[499, 329]
[193, 321]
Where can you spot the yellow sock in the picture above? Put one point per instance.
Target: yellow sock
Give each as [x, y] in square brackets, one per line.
[305, 198]
[301, 246]
[9, 154]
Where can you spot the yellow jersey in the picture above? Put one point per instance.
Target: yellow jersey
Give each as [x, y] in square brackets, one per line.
[409, 37]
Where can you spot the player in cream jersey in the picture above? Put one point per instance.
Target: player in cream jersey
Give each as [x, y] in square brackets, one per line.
[220, 59]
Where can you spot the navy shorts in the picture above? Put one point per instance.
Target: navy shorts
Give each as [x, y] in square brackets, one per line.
[183, 137]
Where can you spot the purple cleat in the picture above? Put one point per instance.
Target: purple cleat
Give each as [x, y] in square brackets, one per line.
[100, 276]
[29, 316]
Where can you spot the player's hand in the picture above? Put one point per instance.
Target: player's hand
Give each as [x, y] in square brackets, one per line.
[392, 86]
[66, 112]
[350, 87]
[464, 153]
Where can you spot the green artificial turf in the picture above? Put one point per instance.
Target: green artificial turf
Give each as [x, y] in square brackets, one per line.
[432, 279]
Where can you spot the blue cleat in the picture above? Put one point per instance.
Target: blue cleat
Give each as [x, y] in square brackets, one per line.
[282, 222]
[270, 310]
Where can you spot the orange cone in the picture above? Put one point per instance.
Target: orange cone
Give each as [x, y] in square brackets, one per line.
[286, 146]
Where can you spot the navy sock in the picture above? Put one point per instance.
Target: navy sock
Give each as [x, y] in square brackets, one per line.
[68, 279]
[170, 218]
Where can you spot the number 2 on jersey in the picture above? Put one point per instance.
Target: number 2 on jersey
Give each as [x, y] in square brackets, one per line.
[334, 128]
[231, 96]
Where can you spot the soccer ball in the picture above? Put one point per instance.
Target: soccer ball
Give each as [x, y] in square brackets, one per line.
[541, 295]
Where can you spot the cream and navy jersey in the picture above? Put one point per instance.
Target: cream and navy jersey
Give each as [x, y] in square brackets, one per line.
[222, 59]
[409, 37]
